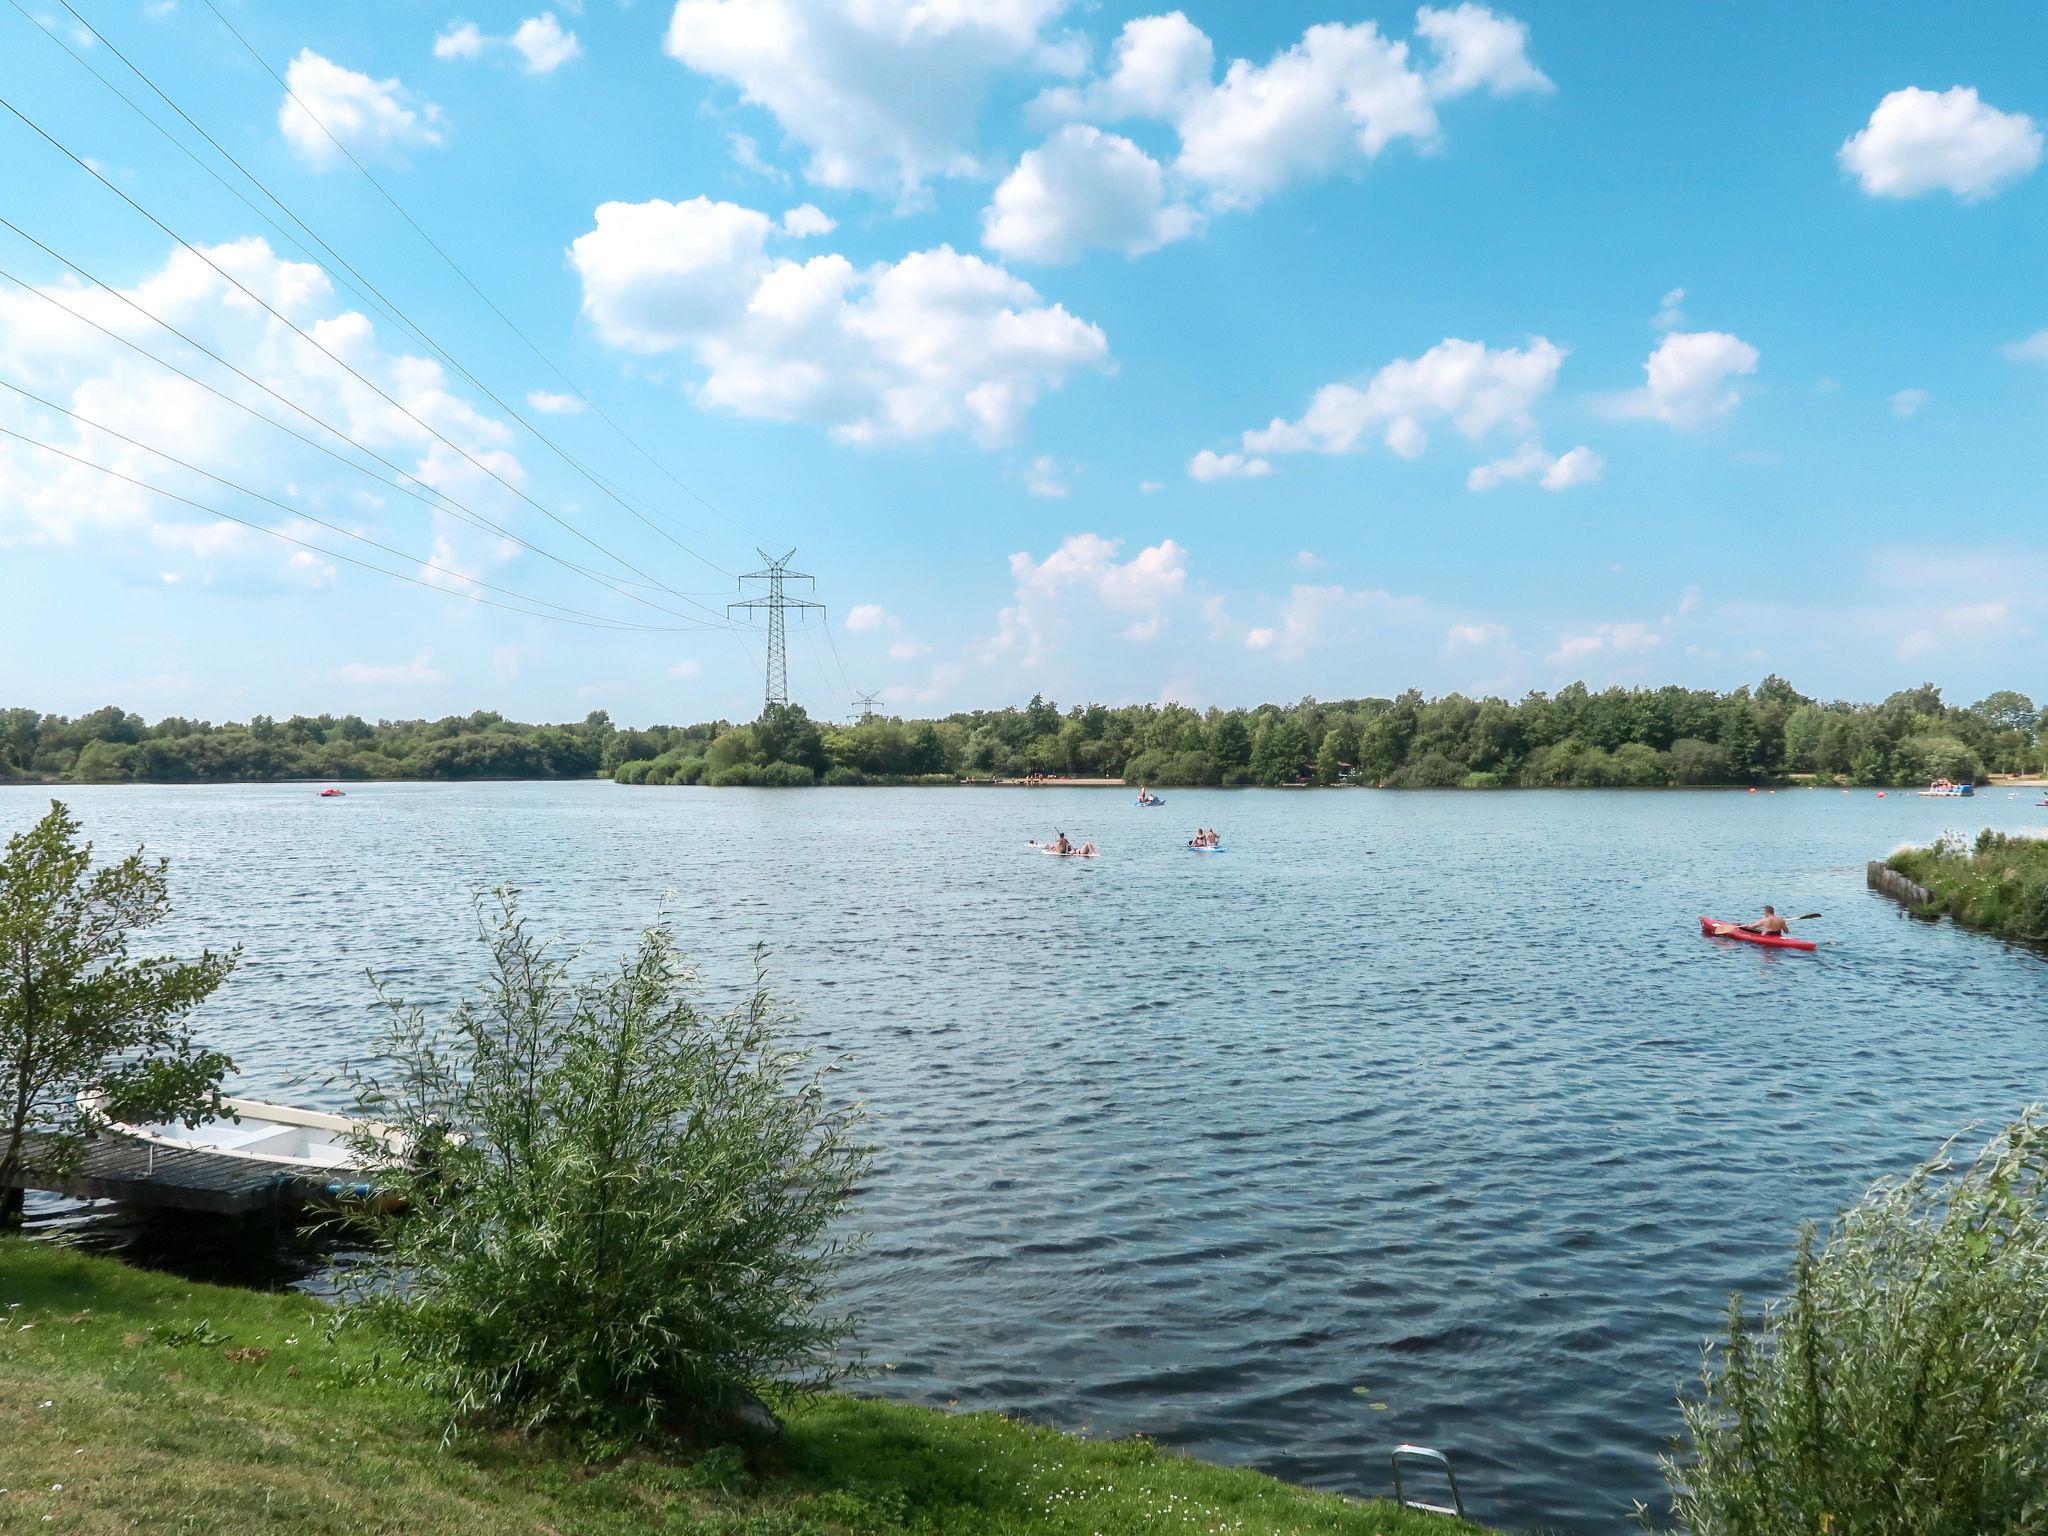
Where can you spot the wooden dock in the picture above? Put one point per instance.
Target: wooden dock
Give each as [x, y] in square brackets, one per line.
[116, 1167]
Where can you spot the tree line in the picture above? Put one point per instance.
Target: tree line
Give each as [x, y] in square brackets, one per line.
[1575, 737]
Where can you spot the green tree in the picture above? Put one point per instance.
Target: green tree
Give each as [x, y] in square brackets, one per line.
[1902, 1388]
[1281, 752]
[624, 1213]
[77, 1015]
[785, 733]
[1329, 757]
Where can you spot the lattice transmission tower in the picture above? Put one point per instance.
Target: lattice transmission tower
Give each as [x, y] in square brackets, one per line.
[865, 703]
[777, 604]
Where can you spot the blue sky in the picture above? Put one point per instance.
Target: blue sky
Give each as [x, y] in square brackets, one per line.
[1223, 355]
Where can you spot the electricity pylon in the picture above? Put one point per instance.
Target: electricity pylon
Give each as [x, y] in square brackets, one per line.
[776, 573]
[865, 703]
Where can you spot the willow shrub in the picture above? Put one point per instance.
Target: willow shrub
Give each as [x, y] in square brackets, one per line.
[623, 1214]
[1902, 1388]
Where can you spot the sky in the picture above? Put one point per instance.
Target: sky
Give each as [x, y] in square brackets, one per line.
[1217, 355]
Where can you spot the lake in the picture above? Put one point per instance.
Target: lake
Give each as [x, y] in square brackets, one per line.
[1416, 1116]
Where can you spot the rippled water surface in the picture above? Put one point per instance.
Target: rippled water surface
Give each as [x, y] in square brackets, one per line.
[1431, 1101]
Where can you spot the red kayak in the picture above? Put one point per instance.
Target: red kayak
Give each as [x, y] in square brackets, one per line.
[1769, 941]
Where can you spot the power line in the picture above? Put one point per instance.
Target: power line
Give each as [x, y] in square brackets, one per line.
[777, 605]
[310, 517]
[358, 284]
[453, 506]
[301, 543]
[453, 266]
[339, 361]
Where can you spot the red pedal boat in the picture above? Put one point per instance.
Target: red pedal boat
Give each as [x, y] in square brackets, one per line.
[1769, 941]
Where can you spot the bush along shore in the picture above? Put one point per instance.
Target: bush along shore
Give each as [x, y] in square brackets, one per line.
[1575, 737]
[1999, 884]
[138, 1401]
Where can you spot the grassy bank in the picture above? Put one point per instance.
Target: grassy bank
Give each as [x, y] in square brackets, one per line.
[137, 1401]
[2000, 884]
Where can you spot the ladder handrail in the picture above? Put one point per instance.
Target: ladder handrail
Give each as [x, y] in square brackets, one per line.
[1455, 1509]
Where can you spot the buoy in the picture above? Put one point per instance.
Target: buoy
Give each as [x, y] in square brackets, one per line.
[1752, 789]
[1880, 794]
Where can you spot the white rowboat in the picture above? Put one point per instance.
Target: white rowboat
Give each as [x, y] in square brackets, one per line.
[297, 1140]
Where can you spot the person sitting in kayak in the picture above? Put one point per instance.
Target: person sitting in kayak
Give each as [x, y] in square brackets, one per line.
[1145, 796]
[1770, 925]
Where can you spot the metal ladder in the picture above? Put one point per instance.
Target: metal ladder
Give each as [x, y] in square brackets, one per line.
[1429, 1458]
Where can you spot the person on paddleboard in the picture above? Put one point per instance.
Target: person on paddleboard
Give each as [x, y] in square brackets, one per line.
[1061, 845]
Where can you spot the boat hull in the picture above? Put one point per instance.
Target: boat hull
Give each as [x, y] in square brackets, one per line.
[1764, 940]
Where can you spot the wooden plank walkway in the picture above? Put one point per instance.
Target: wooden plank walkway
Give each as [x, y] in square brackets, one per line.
[116, 1167]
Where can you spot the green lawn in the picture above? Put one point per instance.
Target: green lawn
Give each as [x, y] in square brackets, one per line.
[132, 1401]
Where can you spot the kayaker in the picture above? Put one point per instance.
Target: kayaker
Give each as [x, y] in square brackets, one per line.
[1061, 845]
[1770, 925]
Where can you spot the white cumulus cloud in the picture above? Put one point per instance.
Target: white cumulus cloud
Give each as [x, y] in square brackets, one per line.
[1952, 141]
[806, 220]
[2031, 349]
[1604, 639]
[549, 403]
[463, 40]
[1338, 97]
[1323, 614]
[1083, 189]
[1211, 465]
[863, 617]
[543, 44]
[1579, 466]
[45, 499]
[1907, 401]
[1085, 571]
[1476, 49]
[1474, 387]
[881, 95]
[936, 342]
[374, 119]
[1690, 379]
[1044, 476]
[1473, 636]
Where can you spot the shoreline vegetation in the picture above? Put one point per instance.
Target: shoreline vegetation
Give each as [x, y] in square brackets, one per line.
[134, 1400]
[1998, 884]
[1575, 738]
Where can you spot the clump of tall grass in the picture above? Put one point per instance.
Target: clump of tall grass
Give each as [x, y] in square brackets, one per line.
[1902, 1387]
[2000, 883]
[622, 1213]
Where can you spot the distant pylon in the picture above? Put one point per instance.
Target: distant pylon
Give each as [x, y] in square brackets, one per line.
[865, 703]
[776, 573]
